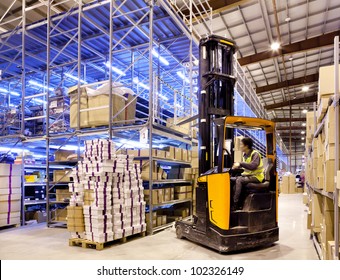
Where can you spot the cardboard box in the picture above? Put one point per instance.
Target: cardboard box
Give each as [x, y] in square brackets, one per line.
[322, 108]
[13, 218]
[309, 220]
[15, 181]
[331, 250]
[40, 217]
[184, 155]
[167, 194]
[61, 215]
[329, 167]
[10, 169]
[292, 183]
[62, 155]
[184, 128]
[164, 220]
[75, 212]
[154, 219]
[14, 206]
[159, 221]
[330, 152]
[285, 185]
[182, 212]
[62, 194]
[317, 210]
[84, 116]
[178, 154]
[238, 156]
[62, 175]
[326, 81]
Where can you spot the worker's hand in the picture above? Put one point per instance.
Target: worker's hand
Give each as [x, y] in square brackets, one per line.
[236, 165]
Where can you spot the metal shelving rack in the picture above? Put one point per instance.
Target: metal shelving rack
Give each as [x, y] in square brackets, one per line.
[317, 130]
[57, 50]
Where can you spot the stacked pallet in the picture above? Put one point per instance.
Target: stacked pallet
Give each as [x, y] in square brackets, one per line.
[10, 194]
[114, 206]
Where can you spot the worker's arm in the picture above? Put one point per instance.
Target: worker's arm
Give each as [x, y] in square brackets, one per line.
[255, 161]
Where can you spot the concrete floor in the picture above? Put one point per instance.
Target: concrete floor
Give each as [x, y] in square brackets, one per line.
[39, 242]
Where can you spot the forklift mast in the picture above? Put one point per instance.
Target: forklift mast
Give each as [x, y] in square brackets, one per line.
[216, 99]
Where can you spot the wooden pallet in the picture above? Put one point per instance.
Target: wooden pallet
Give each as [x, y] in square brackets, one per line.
[84, 243]
[9, 226]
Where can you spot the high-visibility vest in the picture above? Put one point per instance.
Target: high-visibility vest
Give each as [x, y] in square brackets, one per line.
[258, 172]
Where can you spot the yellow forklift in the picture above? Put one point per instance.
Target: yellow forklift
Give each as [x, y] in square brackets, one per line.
[215, 224]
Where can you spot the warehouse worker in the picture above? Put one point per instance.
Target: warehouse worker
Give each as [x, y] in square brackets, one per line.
[253, 169]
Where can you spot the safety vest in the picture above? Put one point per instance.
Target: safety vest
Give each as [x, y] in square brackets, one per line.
[258, 172]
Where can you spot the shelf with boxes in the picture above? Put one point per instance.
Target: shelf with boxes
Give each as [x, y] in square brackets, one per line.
[322, 178]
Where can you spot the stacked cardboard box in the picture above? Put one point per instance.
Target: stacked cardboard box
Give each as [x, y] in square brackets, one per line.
[114, 204]
[331, 250]
[326, 82]
[63, 175]
[157, 172]
[172, 153]
[75, 220]
[10, 194]
[288, 184]
[62, 195]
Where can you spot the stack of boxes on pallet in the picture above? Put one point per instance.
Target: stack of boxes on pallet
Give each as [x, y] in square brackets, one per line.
[10, 194]
[114, 204]
[288, 185]
[320, 163]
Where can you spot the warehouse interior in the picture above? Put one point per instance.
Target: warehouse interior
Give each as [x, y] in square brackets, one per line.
[99, 97]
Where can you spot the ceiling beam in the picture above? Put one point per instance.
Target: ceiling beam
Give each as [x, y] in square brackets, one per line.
[296, 101]
[290, 127]
[287, 120]
[289, 83]
[219, 6]
[301, 46]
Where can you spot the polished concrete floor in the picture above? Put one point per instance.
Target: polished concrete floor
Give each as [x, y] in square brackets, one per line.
[39, 242]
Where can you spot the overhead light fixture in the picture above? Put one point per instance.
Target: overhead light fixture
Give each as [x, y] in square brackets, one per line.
[287, 19]
[275, 46]
[162, 96]
[305, 111]
[34, 83]
[115, 69]
[302, 132]
[36, 100]
[278, 134]
[161, 59]
[291, 58]
[303, 124]
[302, 144]
[136, 81]
[305, 88]
[303, 138]
[74, 78]
[182, 76]
[10, 92]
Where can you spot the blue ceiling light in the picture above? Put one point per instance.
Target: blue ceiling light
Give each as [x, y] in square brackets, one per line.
[161, 59]
[68, 75]
[182, 76]
[34, 83]
[136, 81]
[10, 92]
[115, 69]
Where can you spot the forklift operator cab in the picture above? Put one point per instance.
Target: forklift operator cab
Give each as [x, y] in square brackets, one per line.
[216, 225]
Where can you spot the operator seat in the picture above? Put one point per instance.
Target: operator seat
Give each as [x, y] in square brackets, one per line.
[264, 186]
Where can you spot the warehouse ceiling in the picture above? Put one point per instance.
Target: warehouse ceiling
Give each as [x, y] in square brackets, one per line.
[305, 30]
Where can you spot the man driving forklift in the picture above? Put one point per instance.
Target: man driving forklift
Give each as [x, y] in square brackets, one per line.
[253, 170]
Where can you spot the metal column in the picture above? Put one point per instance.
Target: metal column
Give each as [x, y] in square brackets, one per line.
[150, 229]
[48, 58]
[110, 70]
[336, 190]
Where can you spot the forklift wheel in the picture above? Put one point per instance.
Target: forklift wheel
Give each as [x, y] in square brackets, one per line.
[179, 232]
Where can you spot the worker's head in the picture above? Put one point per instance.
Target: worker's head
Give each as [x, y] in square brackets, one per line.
[246, 144]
